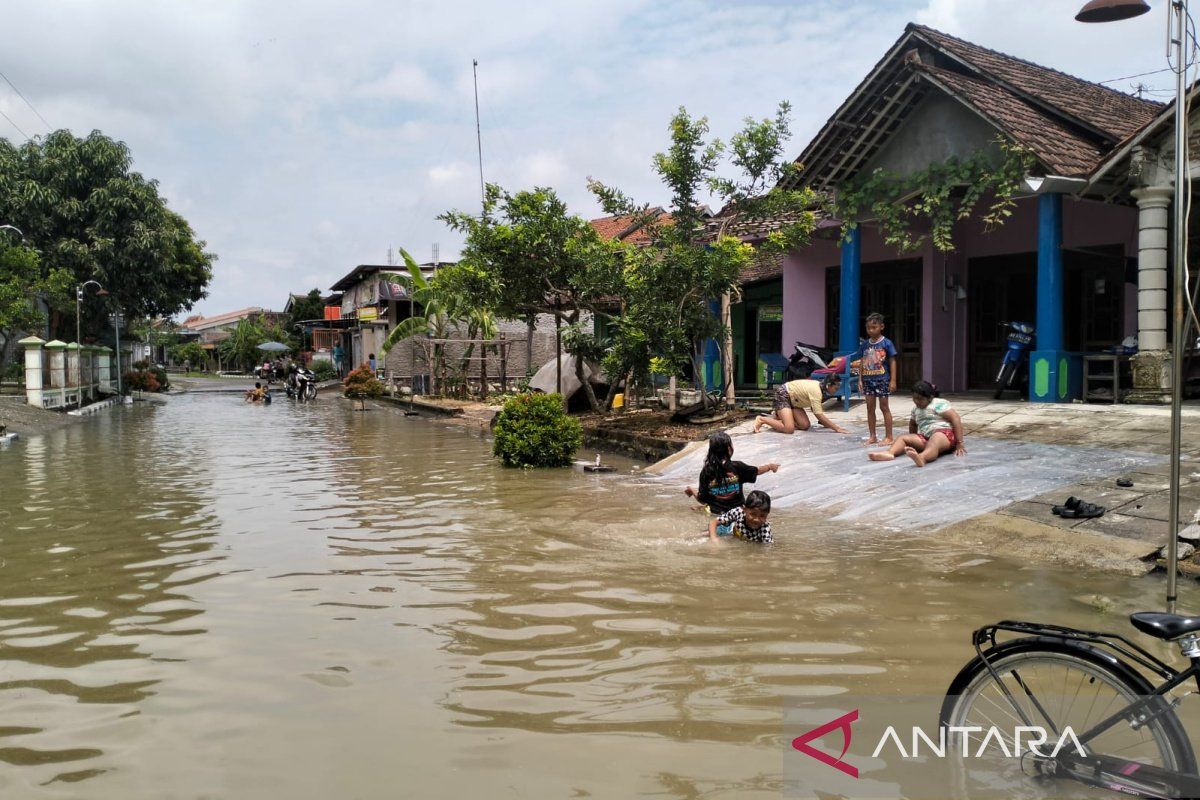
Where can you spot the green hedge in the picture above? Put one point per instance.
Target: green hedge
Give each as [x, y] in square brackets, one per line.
[533, 430]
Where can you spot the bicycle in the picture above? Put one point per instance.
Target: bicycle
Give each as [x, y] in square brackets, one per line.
[1093, 683]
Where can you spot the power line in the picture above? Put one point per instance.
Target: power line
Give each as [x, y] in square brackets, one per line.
[15, 125]
[1139, 75]
[49, 127]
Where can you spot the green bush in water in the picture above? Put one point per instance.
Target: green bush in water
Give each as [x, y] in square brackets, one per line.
[533, 430]
[323, 369]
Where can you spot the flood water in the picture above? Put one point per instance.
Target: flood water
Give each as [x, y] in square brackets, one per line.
[210, 600]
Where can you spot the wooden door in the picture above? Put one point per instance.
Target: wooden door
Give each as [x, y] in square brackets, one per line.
[893, 289]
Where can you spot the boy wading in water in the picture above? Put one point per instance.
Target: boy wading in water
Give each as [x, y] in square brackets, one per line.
[934, 428]
[747, 522]
[877, 376]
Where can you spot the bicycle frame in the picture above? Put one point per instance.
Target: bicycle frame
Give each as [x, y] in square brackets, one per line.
[1174, 784]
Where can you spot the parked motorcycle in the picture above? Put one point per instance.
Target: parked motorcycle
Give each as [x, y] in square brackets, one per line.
[1020, 343]
[302, 385]
[806, 358]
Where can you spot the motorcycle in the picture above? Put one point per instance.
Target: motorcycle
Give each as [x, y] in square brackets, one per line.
[1020, 343]
[805, 358]
[302, 385]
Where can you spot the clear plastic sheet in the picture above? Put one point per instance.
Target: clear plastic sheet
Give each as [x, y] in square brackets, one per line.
[830, 474]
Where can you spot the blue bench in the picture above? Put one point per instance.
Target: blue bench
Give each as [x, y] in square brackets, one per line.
[777, 366]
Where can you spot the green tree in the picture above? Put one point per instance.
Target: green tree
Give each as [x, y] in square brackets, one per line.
[691, 260]
[431, 321]
[310, 306]
[78, 201]
[191, 352]
[540, 259]
[22, 280]
[241, 347]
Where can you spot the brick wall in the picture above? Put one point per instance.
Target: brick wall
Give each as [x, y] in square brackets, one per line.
[400, 358]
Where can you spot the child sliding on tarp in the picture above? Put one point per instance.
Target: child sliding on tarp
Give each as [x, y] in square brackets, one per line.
[722, 479]
[934, 428]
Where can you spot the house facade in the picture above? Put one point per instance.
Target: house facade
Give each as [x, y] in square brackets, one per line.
[1066, 260]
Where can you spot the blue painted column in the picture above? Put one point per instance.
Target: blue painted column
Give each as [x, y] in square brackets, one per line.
[851, 289]
[712, 354]
[1050, 379]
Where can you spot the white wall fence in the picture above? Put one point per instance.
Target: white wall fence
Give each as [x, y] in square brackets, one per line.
[62, 375]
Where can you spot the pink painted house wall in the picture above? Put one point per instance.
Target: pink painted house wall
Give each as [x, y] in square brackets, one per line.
[944, 317]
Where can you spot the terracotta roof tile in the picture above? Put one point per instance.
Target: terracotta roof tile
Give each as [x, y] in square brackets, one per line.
[1115, 113]
[1061, 149]
[625, 227]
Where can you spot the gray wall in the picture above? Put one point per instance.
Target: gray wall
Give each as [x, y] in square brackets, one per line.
[940, 127]
[399, 358]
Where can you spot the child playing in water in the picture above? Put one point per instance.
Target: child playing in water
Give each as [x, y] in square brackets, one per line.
[722, 479]
[792, 398]
[877, 376]
[749, 522]
[934, 428]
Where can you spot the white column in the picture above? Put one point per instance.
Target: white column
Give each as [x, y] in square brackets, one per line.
[1152, 364]
[105, 369]
[33, 369]
[1153, 242]
[57, 356]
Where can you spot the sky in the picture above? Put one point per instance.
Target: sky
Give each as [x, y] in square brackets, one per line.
[300, 139]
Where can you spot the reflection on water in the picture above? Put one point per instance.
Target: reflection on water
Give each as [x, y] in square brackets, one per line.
[206, 599]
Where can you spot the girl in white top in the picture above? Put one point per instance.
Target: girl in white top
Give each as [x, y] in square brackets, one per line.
[934, 428]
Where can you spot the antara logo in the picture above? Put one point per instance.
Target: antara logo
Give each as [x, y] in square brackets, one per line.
[989, 741]
[843, 722]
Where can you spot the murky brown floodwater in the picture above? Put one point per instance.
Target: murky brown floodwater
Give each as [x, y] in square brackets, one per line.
[209, 600]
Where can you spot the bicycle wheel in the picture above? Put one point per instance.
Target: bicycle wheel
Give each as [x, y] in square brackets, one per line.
[1058, 684]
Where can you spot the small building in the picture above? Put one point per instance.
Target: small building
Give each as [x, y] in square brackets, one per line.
[1064, 261]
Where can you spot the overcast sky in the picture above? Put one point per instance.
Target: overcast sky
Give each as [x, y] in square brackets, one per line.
[303, 138]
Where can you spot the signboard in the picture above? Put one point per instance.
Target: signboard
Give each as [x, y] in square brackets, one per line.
[368, 313]
[770, 313]
[392, 290]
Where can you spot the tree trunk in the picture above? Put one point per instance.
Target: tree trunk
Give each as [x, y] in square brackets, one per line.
[530, 323]
[727, 352]
[587, 384]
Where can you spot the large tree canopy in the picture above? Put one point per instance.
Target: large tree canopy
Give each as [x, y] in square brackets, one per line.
[79, 204]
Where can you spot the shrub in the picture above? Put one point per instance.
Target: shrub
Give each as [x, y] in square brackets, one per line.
[160, 375]
[533, 430]
[361, 383]
[324, 370]
[141, 380]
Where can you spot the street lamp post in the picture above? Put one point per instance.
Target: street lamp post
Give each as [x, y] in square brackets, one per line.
[100, 292]
[1110, 11]
[116, 321]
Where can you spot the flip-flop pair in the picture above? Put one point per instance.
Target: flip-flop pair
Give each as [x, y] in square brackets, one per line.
[1075, 508]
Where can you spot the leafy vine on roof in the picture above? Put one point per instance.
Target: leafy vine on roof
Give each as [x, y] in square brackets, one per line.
[928, 203]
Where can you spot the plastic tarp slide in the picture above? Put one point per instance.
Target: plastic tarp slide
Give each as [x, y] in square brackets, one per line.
[830, 474]
[545, 379]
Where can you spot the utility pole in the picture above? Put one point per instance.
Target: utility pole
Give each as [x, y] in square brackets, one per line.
[478, 134]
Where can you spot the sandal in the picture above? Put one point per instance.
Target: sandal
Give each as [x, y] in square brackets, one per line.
[1089, 511]
[1064, 512]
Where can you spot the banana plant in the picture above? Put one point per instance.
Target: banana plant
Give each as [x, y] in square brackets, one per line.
[431, 319]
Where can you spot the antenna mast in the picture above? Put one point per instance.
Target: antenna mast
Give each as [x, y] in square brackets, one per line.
[478, 134]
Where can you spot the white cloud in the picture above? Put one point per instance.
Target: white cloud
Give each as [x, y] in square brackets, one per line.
[301, 142]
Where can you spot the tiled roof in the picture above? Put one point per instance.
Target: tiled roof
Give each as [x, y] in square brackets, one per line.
[626, 227]
[1115, 113]
[199, 323]
[764, 267]
[1068, 123]
[1062, 150]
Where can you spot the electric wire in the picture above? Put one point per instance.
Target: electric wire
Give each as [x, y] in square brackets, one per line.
[15, 125]
[1139, 75]
[26, 99]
